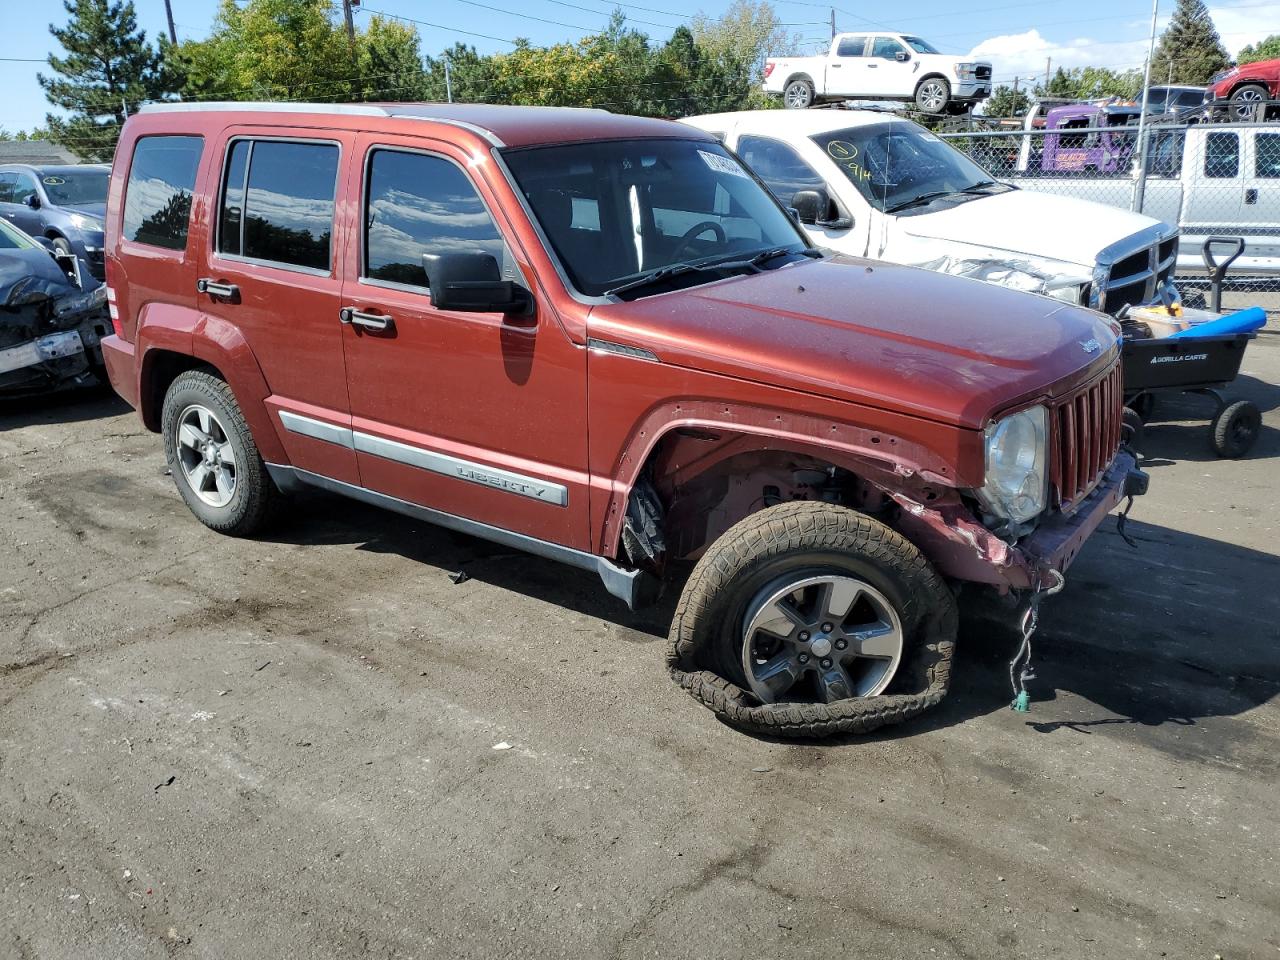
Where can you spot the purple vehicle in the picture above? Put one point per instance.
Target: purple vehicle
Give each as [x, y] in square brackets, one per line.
[1092, 150]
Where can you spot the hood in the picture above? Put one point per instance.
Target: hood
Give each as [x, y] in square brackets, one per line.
[1027, 223]
[32, 275]
[98, 210]
[945, 348]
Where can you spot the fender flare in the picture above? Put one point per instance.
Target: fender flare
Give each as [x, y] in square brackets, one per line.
[877, 456]
[217, 343]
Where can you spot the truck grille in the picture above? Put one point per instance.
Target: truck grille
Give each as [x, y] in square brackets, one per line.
[983, 71]
[1084, 434]
[1134, 277]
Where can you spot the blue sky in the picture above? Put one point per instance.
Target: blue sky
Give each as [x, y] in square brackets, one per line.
[1016, 35]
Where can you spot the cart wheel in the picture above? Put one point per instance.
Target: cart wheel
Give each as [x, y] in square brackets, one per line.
[1235, 429]
[1144, 405]
[1133, 429]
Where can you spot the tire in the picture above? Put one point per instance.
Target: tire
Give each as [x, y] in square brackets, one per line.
[1235, 429]
[61, 245]
[1134, 428]
[199, 403]
[933, 94]
[1244, 99]
[797, 542]
[1144, 405]
[798, 94]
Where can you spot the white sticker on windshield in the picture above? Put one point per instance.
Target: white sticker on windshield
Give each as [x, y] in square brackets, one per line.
[722, 164]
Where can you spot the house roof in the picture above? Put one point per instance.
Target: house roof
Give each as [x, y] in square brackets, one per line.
[35, 151]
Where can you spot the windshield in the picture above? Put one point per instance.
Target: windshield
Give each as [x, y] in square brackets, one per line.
[73, 188]
[618, 210]
[12, 239]
[919, 46]
[893, 164]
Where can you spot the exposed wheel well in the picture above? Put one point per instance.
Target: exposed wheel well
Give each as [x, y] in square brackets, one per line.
[160, 369]
[696, 485]
[933, 76]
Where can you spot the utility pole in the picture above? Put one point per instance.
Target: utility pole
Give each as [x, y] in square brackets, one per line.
[833, 23]
[448, 81]
[1048, 63]
[1140, 182]
[168, 12]
[346, 14]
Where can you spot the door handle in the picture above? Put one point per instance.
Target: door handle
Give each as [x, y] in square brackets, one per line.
[213, 288]
[872, 66]
[836, 66]
[370, 321]
[1251, 195]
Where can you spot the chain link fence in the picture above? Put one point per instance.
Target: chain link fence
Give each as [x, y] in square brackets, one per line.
[1211, 179]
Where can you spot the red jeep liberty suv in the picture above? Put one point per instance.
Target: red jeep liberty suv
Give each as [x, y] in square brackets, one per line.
[599, 339]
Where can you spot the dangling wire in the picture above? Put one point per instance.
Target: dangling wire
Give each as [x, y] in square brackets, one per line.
[1020, 670]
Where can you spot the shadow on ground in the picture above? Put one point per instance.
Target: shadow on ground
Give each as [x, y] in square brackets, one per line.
[1152, 637]
[1180, 429]
[65, 406]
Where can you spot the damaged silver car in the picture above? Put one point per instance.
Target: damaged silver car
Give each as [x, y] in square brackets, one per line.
[53, 315]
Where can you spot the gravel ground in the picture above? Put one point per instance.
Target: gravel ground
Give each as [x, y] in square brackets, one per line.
[295, 746]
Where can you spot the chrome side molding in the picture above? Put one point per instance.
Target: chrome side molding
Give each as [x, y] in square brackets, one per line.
[632, 587]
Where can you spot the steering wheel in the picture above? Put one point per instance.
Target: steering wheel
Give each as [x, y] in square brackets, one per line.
[693, 233]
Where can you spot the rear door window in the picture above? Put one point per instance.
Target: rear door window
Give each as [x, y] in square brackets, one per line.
[1221, 155]
[157, 199]
[851, 47]
[277, 202]
[1266, 156]
[420, 204]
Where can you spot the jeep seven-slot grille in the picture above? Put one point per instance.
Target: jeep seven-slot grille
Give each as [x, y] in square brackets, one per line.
[1084, 434]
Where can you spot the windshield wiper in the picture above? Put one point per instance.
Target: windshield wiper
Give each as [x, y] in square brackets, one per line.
[982, 186]
[656, 276]
[921, 200]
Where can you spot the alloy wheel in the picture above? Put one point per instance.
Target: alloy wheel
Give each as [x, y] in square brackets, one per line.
[205, 455]
[820, 638]
[933, 95]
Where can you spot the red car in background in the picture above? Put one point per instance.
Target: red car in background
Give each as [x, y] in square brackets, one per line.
[1246, 86]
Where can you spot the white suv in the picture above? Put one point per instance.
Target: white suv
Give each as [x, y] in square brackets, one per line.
[880, 66]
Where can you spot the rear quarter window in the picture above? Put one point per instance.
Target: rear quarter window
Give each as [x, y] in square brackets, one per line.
[157, 199]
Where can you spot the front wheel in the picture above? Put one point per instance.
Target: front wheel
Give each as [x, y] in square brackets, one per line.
[799, 94]
[1236, 428]
[212, 456]
[1244, 102]
[810, 619]
[932, 94]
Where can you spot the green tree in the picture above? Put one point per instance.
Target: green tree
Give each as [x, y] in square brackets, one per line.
[1268, 49]
[1007, 102]
[1092, 83]
[389, 62]
[109, 68]
[1190, 50]
[746, 34]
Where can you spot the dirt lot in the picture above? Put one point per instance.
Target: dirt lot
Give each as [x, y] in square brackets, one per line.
[287, 748]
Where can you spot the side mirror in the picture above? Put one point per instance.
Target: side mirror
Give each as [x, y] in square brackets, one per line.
[33, 201]
[811, 205]
[473, 283]
[816, 208]
[902, 56]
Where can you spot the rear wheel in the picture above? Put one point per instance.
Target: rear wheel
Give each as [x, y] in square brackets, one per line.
[932, 94]
[211, 454]
[1246, 99]
[798, 94]
[810, 619]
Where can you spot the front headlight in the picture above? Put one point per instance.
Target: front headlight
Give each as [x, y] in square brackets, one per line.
[1076, 292]
[82, 222]
[1016, 486]
[961, 69]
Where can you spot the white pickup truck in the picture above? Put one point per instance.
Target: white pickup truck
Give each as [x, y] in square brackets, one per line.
[880, 66]
[1207, 178]
[871, 184]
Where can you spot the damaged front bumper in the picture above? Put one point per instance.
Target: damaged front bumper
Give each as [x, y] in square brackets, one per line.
[963, 549]
[50, 335]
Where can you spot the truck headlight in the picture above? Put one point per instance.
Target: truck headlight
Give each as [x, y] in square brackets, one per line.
[1016, 485]
[1076, 292]
[963, 69]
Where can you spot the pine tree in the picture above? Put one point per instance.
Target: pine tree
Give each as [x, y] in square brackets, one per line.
[1190, 50]
[108, 70]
